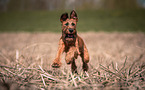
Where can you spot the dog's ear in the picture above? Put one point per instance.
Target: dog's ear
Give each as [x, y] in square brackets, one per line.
[73, 15]
[63, 17]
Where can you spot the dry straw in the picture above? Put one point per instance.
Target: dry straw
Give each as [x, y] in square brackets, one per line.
[30, 68]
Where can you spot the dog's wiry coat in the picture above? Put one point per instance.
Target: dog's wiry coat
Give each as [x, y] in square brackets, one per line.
[71, 43]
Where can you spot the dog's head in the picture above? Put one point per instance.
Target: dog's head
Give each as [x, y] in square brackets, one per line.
[69, 32]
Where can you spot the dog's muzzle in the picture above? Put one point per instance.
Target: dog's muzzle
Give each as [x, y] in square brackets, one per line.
[70, 37]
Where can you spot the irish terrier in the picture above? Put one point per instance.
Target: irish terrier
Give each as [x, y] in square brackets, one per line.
[70, 43]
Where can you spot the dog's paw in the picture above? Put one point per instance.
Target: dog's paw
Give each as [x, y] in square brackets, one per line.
[56, 65]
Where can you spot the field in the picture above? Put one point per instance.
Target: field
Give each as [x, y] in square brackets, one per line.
[117, 61]
[115, 40]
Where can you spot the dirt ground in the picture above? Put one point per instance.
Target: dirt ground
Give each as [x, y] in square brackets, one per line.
[42, 47]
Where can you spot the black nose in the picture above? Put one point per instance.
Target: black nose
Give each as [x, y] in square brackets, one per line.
[71, 30]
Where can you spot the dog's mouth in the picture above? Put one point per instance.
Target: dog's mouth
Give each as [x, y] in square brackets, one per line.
[69, 36]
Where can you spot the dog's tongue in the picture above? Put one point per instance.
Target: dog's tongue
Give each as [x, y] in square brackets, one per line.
[70, 35]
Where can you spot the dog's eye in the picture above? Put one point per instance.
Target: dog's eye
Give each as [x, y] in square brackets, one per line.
[72, 24]
[67, 24]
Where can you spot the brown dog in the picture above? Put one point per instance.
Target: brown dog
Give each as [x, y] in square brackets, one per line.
[71, 43]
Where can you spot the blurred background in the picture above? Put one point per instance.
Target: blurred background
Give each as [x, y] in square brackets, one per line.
[94, 15]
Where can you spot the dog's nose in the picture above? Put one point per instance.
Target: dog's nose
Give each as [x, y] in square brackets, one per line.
[71, 30]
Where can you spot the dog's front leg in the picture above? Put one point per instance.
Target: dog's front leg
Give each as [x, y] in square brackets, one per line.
[77, 46]
[57, 63]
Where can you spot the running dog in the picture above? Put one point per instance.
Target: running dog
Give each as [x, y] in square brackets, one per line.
[71, 43]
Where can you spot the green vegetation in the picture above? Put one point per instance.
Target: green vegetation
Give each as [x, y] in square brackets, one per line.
[29, 21]
[89, 20]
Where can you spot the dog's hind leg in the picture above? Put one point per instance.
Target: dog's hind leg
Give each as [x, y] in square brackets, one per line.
[85, 65]
[86, 54]
[85, 58]
[73, 66]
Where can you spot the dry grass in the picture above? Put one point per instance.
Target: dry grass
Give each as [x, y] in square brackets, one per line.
[117, 62]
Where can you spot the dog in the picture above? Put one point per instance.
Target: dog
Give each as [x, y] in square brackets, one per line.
[71, 43]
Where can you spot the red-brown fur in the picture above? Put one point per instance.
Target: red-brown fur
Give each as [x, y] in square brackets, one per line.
[70, 43]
